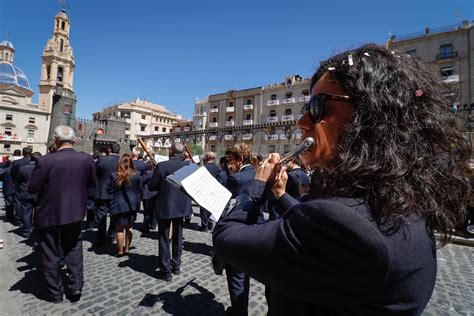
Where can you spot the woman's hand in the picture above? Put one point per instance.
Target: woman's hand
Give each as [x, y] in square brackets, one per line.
[267, 171]
[280, 183]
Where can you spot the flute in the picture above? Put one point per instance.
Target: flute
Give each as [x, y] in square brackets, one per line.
[306, 144]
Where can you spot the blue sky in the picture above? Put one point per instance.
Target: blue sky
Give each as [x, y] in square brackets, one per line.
[172, 51]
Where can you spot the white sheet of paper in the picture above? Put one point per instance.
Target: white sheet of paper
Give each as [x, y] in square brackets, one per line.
[207, 192]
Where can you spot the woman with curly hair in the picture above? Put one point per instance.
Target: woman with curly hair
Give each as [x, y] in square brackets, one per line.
[393, 175]
[125, 184]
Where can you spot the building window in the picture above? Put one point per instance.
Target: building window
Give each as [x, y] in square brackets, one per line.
[142, 128]
[48, 71]
[447, 71]
[9, 117]
[446, 51]
[287, 111]
[248, 117]
[143, 117]
[214, 120]
[248, 101]
[31, 120]
[231, 104]
[6, 147]
[273, 112]
[163, 129]
[230, 118]
[60, 74]
[63, 25]
[213, 148]
[273, 97]
[31, 133]
[8, 131]
[305, 92]
[411, 52]
[61, 45]
[288, 95]
[157, 128]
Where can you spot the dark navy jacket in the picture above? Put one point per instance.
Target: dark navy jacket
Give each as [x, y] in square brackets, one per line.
[5, 177]
[61, 180]
[14, 170]
[171, 202]
[23, 177]
[212, 168]
[104, 167]
[329, 257]
[127, 197]
[222, 177]
[236, 181]
[296, 177]
[147, 194]
[140, 166]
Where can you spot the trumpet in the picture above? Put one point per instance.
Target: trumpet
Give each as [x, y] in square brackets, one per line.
[306, 144]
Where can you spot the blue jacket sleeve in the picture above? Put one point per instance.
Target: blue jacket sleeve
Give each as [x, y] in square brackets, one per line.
[320, 252]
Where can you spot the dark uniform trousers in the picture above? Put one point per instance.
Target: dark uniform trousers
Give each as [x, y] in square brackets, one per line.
[10, 206]
[26, 206]
[165, 264]
[102, 209]
[239, 285]
[206, 221]
[57, 241]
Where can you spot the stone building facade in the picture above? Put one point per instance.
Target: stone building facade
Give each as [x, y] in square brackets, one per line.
[22, 122]
[448, 51]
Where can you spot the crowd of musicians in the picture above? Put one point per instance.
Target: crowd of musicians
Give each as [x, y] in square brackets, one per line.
[358, 237]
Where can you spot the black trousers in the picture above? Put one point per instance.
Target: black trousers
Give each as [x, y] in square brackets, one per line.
[239, 286]
[102, 209]
[26, 206]
[167, 262]
[9, 206]
[57, 241]
[206, 221]
[149, 214]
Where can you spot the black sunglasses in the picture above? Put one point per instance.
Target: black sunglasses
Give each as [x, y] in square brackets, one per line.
[317, 104]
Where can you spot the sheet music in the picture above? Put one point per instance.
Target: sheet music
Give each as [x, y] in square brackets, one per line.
[207, 192]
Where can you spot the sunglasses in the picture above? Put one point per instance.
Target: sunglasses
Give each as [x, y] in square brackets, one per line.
[317, 105]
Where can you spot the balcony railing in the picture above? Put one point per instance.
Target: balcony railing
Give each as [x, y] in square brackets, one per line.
[446, 55]
[248, 107]
[229, 123]
[230, 109]
[213, 124]
[213, 137]
[247, 122]
[288, 101]
[143, 122]
[273, 102]
[177, 129]
[271, 137]
[271, 119]
[450, 79]
[187, 129]
[247, 137]
[214, 110]
[286, 118]
[228, 137]
[127, 132]
[143, 133]
[304, 98]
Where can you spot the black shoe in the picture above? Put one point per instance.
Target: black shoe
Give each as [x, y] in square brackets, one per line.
[111, 240]
[164, 276]
[61, 263]
[55, 300]
[75, 296]
[202, 228]
[175, 271]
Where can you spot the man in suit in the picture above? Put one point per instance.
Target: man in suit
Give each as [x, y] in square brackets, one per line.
[16, 164]
[172, 206]
[210, 165]
[298, 181]
[104, 167]
[27, 200]
[61, 180]
[8, 191]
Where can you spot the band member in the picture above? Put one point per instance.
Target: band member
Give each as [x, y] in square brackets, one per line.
[210, 165]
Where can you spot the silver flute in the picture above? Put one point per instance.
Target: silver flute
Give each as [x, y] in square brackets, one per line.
[306, 144]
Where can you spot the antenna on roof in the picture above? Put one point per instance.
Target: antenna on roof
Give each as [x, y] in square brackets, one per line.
[64, 5]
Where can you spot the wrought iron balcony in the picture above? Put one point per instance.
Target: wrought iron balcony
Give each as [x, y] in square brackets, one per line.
[288, 101]
[213, 124]
[229, 123]
[229, 137]
[450, 79]
[247, 137]
[247, 122]
[214, 110]
[446, 55]
[273, 102]
[271, 119]
[304, 98]
[248, 107]
[230, 109]
[286, 118]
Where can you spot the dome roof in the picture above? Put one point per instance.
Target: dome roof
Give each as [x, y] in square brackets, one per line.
[11, 75]
[7, 44]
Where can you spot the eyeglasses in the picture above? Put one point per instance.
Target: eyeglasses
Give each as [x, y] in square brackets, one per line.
[317, 105]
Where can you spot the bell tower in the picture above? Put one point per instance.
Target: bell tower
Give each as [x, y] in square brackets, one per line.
[57, 76]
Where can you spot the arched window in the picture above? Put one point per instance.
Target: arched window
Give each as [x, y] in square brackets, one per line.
[61, 45]
[60, 74]
[63, 25]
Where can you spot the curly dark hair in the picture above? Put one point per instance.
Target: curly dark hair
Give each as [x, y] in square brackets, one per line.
[403, 151]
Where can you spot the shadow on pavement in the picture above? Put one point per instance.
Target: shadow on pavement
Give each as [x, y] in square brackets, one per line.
[176, 304]
[197, 248]
[146, 264]
[31, 283]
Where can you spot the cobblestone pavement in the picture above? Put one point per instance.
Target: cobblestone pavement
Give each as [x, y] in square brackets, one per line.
[127, 286]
